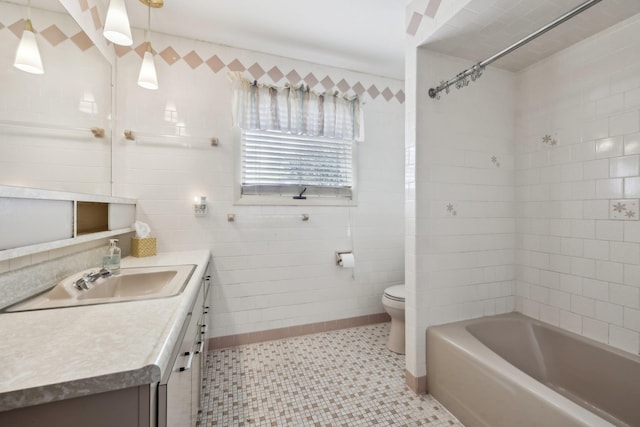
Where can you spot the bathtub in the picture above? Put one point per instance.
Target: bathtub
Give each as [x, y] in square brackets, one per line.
[510, 370]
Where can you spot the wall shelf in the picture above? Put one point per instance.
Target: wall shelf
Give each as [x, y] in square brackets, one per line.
[34, 220]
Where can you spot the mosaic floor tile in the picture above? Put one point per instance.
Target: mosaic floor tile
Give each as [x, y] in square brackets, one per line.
[338, 378]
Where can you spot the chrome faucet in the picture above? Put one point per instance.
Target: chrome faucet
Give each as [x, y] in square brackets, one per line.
[82, 283]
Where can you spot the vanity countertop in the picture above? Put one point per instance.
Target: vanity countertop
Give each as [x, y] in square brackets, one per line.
[55, 354]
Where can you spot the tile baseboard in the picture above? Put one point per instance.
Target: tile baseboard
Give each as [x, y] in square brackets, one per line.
[417, 384]
[229, 341]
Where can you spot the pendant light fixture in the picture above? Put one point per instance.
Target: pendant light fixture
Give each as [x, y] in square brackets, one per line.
[28, 55]
[116, 27]
[148, 78]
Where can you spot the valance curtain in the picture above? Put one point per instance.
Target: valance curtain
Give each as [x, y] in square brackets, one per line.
[295, 110]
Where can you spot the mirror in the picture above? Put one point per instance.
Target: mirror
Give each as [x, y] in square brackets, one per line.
[46, 120]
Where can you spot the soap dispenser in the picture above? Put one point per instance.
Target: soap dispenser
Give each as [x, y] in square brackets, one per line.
[111, 259]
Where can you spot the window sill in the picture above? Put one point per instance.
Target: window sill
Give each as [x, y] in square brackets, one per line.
[251, 200]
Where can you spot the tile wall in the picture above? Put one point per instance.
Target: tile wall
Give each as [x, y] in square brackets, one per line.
[74, 92]
[459, 198]
[271, 270]
[578, 169]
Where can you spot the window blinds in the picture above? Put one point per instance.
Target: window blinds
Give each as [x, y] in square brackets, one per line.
[286, 164]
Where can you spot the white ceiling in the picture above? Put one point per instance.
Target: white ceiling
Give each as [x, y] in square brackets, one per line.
[485, 27]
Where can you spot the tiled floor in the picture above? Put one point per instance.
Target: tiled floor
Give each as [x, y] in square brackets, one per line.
[339, 378]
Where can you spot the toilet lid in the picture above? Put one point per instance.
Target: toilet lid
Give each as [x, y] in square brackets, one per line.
[395, 292]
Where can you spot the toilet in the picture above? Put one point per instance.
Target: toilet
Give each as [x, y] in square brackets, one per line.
[393, 303]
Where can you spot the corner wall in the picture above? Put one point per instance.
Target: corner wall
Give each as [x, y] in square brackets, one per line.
[460, 210]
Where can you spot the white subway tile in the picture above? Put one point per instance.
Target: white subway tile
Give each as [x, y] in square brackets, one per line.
[550, 314]
[610, 230]
[624, 166]
[610, 313]
[632, 98]
[625, 252]
[609, 147]
[583, 267]
[632, 143]
[632, 319]
[632, 187]
[595, 169]
[609, 188]
[570, 321]
[596, 249]
[624, 339]
[609, 271]
[582, 305]
[595, 329]
[625, 123]
[571, 247]
[624, 295]
[595, 289]
[610, 104]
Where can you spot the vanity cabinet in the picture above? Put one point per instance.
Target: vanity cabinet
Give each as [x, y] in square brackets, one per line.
[180, 392]
[174, 401]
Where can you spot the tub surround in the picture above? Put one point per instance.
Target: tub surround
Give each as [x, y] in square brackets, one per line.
[57, 354]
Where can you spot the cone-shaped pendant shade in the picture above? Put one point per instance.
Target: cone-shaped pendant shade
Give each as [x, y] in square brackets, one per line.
[28, 55]
[116, 27]
[148, 78]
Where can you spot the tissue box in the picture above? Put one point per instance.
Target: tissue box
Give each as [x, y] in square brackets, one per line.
[142, 247]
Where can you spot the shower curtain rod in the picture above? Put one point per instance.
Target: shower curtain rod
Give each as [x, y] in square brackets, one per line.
[462, 79]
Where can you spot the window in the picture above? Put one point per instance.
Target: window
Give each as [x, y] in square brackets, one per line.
[277, 163]
[294, 144]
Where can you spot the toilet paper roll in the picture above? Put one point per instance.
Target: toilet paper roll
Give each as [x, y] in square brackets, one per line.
[347, 260]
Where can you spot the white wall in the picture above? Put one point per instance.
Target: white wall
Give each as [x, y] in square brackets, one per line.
[271, 269]
[578, 268]
[460, 200]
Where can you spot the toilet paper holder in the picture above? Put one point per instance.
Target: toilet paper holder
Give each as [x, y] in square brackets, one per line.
[339, 256]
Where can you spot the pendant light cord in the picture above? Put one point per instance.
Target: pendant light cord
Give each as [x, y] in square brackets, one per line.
[29, 9]
[148, 22]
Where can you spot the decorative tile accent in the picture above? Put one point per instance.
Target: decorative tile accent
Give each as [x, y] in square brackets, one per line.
[373, 91]
[311, 80]
[193, 60]
[275, 74]
[215, 63]
[236, 65]
[53, 35]
[387, 94]
[549, 140]
[82, 41]
[358, 89]
[121, 50]
[451, 210]
[169, 55]
[327, 83]
[414, 23]
[84, 5]
[343, 86]
[624, 209]
[256, 71]
[294, 77]
[341, 378]
[432, 8]
[495, 161]
[95, 15]
[18, 27]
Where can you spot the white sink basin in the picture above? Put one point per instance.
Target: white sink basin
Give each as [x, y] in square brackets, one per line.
[131, 284]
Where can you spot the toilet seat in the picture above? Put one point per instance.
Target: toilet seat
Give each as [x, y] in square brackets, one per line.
[395, 293]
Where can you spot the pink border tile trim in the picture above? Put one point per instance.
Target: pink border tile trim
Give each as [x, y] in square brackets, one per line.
[432, 8]
[417, 384]
[295, 331]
